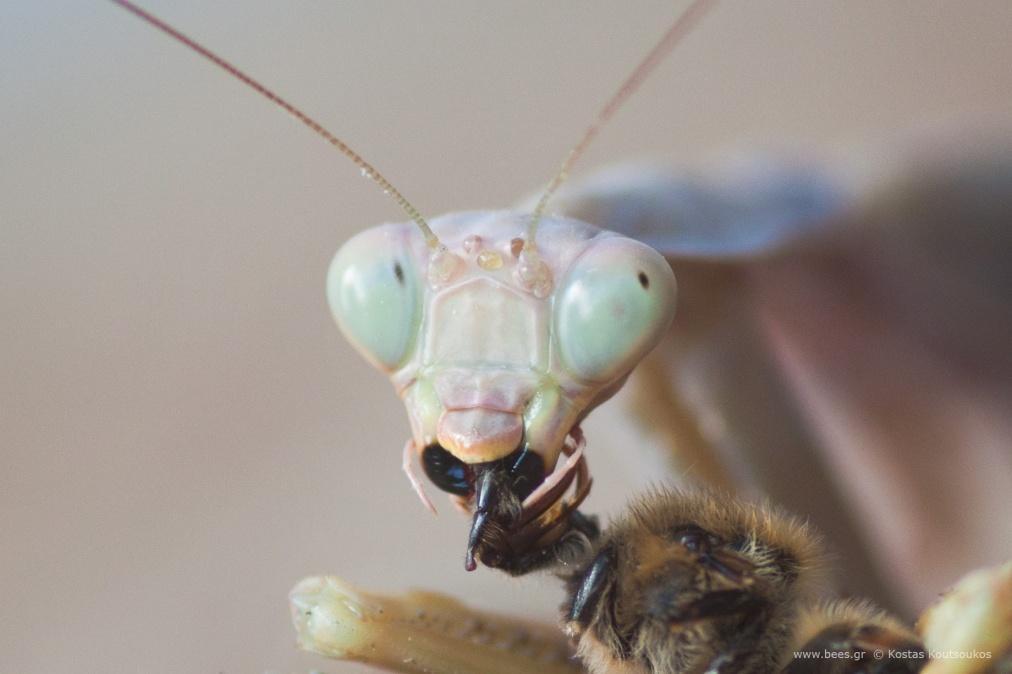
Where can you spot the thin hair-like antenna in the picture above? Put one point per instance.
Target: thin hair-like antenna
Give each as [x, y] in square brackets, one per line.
[682, 26]
[368, 170]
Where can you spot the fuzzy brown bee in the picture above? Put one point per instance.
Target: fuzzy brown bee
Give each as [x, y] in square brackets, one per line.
[698, 582]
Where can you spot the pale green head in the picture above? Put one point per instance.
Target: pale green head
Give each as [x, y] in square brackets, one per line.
[487, 367]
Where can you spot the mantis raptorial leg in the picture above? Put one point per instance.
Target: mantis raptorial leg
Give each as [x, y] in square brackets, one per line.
[419, 632]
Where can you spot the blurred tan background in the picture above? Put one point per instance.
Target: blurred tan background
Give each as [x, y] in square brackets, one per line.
[184, 432]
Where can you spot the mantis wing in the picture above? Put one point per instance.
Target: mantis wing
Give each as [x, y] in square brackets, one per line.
[842, 345]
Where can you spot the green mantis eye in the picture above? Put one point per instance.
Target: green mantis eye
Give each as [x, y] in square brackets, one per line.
[612, 307]
[373, 293]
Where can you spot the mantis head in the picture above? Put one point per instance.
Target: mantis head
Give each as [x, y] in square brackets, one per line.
[496, 371]
[500, 338]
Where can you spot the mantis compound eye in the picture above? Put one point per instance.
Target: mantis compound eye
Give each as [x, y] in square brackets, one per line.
[374, 294]
[613, 307]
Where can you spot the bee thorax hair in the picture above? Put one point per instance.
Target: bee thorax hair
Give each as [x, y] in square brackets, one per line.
[691, 581]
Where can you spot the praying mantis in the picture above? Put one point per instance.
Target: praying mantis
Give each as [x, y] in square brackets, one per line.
[728, 235]
[528, 182]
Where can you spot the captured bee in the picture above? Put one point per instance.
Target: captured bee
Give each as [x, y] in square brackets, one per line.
[697, 582]
[683, 582]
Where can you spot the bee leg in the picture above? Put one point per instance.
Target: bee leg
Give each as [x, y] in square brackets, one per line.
[517, 529]
[741, 655]
[496, 506]
[580, 533]
[588, 591]
[743, 652]
[719, 604]
[738, 619]
[495, 541]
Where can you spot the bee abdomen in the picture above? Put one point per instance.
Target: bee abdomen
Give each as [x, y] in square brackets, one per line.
[853, 638]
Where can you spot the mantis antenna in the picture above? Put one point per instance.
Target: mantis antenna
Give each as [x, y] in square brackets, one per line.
[368, 170]
[682, 26]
